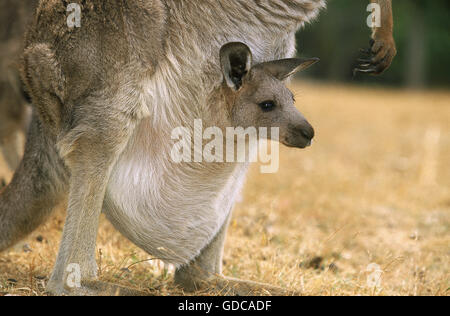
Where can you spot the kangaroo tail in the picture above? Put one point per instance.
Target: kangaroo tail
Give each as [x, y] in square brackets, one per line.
[39, 184]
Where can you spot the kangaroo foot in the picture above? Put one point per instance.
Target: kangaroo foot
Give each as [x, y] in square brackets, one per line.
[96, 288]
[235, 287]
[227, 286]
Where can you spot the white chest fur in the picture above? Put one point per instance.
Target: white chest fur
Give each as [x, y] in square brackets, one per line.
[170, 210]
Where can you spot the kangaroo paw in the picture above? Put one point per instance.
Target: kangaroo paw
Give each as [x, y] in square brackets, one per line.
[378, 57]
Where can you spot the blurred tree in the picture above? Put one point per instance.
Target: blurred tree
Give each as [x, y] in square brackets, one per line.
[416, 48]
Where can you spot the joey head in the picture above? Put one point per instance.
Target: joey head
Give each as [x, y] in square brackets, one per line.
[257, 96]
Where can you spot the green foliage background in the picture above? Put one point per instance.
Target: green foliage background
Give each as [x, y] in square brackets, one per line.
[421, 32]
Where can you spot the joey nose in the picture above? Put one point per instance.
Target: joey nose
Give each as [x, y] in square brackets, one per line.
[308, 132]
[300, 135]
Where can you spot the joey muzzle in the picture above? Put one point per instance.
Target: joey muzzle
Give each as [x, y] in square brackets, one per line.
[299, 135]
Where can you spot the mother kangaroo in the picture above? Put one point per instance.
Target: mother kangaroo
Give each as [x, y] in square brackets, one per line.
[106, 97]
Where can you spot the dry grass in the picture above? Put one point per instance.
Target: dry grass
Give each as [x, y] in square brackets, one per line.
[375, 188]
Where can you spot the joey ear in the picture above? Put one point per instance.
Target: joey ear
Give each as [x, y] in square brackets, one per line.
[284, 68]
[236, 61]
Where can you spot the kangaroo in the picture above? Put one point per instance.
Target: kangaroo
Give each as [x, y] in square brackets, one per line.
[106, 97]
[15, 15]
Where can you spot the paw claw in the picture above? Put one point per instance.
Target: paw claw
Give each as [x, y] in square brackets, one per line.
[376, 59]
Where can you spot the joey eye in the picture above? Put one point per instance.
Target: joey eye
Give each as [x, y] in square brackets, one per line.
[267, 106]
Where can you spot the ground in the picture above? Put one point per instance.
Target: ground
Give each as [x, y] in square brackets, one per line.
[365, 211]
